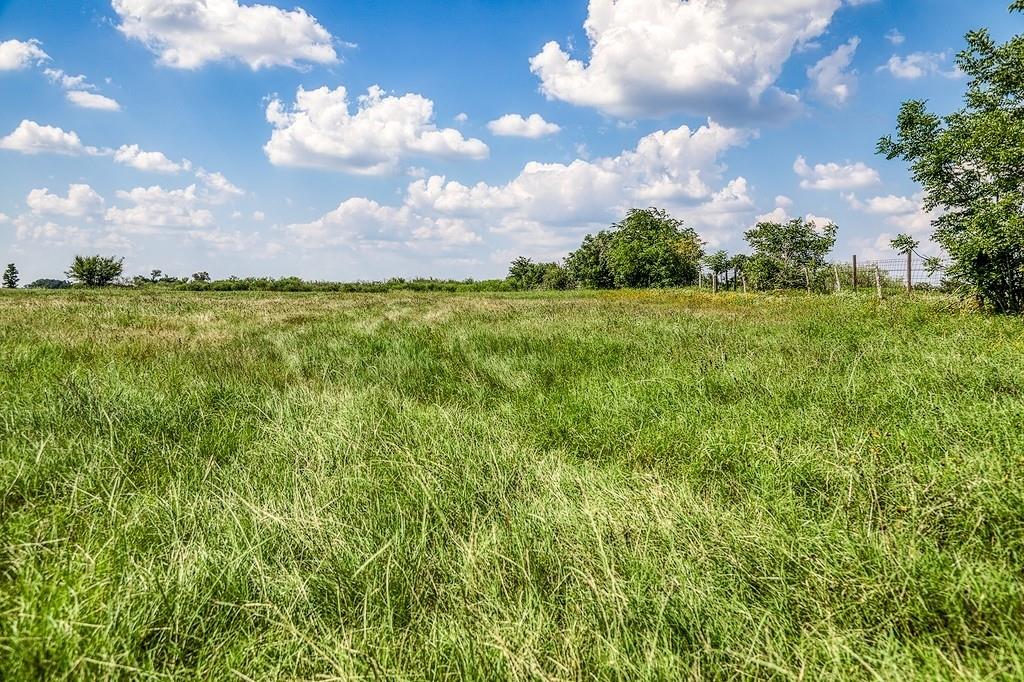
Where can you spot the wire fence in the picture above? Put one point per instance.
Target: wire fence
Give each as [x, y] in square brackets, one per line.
[881, 276]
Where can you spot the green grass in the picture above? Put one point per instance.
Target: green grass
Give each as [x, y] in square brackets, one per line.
[628, 485]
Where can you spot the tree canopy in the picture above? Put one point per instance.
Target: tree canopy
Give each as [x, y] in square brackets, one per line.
[971, 166]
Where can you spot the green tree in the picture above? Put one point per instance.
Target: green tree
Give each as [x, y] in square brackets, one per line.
[587, 266]
[717, 263]
[201, 276]
[554, 277]
[784, 253]
[650, 248]
[524, 274]
[904, 244]
[95, 271]
[11, 277]
[971, 166]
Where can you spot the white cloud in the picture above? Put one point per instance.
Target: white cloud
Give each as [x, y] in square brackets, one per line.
[132, 155]
[895, 37]
[319, 131]
[833, 176]
[360, 222]
[92, 100]
[657, 57]
[259, 216]
[4, 218]
[918, 65]
[514, 125]
[82, 200]
[547, 206]
[80, 92]
[16, 54]
[461, 117]
[186, 34]
[155, 207]
[31, 138]
[831, 80]
[907, 214]
[217, 189]
[781, 215]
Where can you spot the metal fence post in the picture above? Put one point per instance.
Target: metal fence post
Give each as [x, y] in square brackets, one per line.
[910, 269]
[839, 287]
[855, 273]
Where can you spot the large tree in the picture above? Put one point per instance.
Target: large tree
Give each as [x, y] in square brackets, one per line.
[786, 255]
[971, 165]
[650, 248]
[95, 271]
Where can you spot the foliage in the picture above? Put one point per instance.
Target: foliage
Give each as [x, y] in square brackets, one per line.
[587, 266]
[971, 165]
[524, 274]
[95, 271]
[48, 284]
[10, 277]
[786, 254]
[297, 285]
[718, 262]
[904, 244]
[202, 276]
[653, 485]
[650, 248]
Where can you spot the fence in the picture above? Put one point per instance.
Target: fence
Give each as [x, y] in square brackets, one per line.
[884, 276]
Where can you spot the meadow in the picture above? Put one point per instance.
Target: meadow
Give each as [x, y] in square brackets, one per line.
[558, 486]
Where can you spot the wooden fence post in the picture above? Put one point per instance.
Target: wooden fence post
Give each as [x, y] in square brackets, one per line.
[714, 282]
[744, 282]
[855, 274]
[878, 282]
[839, 287]
[910, 266]
[807, 279]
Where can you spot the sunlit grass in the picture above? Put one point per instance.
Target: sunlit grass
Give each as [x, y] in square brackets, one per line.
[539, 486]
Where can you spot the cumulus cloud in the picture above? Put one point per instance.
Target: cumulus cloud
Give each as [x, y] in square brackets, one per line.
[186, 34]
[832, 81]
[918, 65]
[895, 37]
[217, 189]
[547, 205]
[907, 214]
[31, 138]
[833, 176]
[151, 208]
[92, 100]
[82, 200]
[16, 54]
[320, 131]
[157, 162]
[651, 58]
[514, 125]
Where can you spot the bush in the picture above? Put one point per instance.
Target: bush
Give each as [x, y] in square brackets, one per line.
[49, 284]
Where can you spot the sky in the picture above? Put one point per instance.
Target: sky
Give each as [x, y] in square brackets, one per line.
[366, 139]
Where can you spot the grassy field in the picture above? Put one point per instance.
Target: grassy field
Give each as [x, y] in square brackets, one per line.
[627, 485]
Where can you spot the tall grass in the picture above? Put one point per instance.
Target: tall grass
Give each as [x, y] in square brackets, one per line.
[623, 485]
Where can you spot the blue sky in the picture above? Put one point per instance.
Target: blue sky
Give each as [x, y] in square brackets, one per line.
[366, 139]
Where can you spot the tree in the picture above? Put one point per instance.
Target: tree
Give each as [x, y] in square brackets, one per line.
[650, 248]
[717, 263]
[10, 280]
[48, 284]
[554, 277]
[971, 166]
[587, 266]
[524, 274]
[201, 277]
[786, 253]
[904, 244]
[95, 271]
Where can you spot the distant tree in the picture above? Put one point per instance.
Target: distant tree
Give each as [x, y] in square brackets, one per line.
[650, 248]
[555, 277]
[971, 165]
[95, 271]
[717, 263]
[48, 284]
[10, 280]
[587, 266]
[201, 277]
[904, 244]
[524, 274]
[784, 252]
[155, 275]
